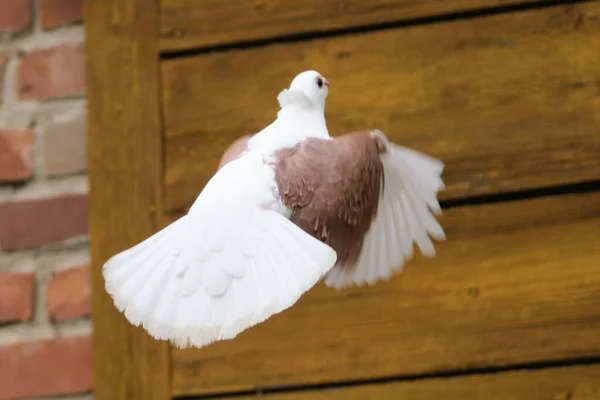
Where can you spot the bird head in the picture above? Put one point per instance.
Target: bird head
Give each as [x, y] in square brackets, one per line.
[312, 84]
[308, 88]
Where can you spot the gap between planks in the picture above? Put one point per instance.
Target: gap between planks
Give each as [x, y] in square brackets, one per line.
[524, 367]
[312, 35]
[522, 195]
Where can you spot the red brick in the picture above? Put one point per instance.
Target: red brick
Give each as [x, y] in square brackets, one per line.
[15, 15]
[64, 147]
[15, 154]
[54, 72]
[69, 294]
[3, 61]
[16, 296]
[46, 368]
[33, 223]
[57, 13]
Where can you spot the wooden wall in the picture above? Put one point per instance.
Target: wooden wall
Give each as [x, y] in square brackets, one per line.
[506, 93]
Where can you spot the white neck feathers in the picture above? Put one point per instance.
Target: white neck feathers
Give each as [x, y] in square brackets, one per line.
[294, 97]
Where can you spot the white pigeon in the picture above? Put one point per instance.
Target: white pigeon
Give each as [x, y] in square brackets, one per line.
[289, 206]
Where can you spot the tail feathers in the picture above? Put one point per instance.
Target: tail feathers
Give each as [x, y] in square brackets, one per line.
[191, 292]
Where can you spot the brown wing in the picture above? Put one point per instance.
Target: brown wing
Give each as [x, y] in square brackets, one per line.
[333, 187]
[234, 150]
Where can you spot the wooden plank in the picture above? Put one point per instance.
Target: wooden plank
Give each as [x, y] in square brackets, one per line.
[124, 136]
[190, 23]
[509, 101]
[516, 282]
[566, 383]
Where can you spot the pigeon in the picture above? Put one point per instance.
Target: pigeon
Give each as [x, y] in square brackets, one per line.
[288, 207]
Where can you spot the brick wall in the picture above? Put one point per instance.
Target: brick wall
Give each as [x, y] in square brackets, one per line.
[44, 274]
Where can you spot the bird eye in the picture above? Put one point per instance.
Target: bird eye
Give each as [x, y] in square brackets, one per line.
[319, 82]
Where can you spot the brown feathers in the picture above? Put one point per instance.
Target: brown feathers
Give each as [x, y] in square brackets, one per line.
[333, 187]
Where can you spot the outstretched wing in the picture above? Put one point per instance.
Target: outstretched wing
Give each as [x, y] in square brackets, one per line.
[367, 198]
[405, 216]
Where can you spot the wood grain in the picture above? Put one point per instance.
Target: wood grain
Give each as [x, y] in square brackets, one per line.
[516, 282]
[572, 383]
[190, 23]
[124, 147]
[509, 101]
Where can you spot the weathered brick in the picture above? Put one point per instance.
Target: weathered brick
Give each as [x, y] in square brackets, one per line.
[16, 296]
[57, 13]
[64, 148]
[69, 294]
[36, 222]
[46, 368]
[3, 61]
[15, 15]
[15, 154]
[53, 72]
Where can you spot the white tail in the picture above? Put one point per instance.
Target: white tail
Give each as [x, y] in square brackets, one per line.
[227, 265]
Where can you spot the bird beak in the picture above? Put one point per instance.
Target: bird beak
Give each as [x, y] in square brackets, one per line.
[327, 83]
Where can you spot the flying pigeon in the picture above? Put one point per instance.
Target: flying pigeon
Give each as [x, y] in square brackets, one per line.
[288, 207]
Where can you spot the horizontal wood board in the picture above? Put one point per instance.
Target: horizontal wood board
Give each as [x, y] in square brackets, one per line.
[508, 102]
[516, 282]
[566, 383]
[187, 24]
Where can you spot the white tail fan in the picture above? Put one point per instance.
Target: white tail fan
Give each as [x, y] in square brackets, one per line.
[162, 285]
[220, 269]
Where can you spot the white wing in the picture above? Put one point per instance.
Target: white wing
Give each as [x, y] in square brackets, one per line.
[405, 215]
[231, 262]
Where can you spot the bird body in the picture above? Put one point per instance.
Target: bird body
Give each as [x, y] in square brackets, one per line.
[288, 207]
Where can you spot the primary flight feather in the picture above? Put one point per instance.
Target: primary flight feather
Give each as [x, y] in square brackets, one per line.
[288, 207]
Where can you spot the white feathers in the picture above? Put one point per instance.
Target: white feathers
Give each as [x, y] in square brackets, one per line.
[229, 264]
[290, 97]
[405, 216]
